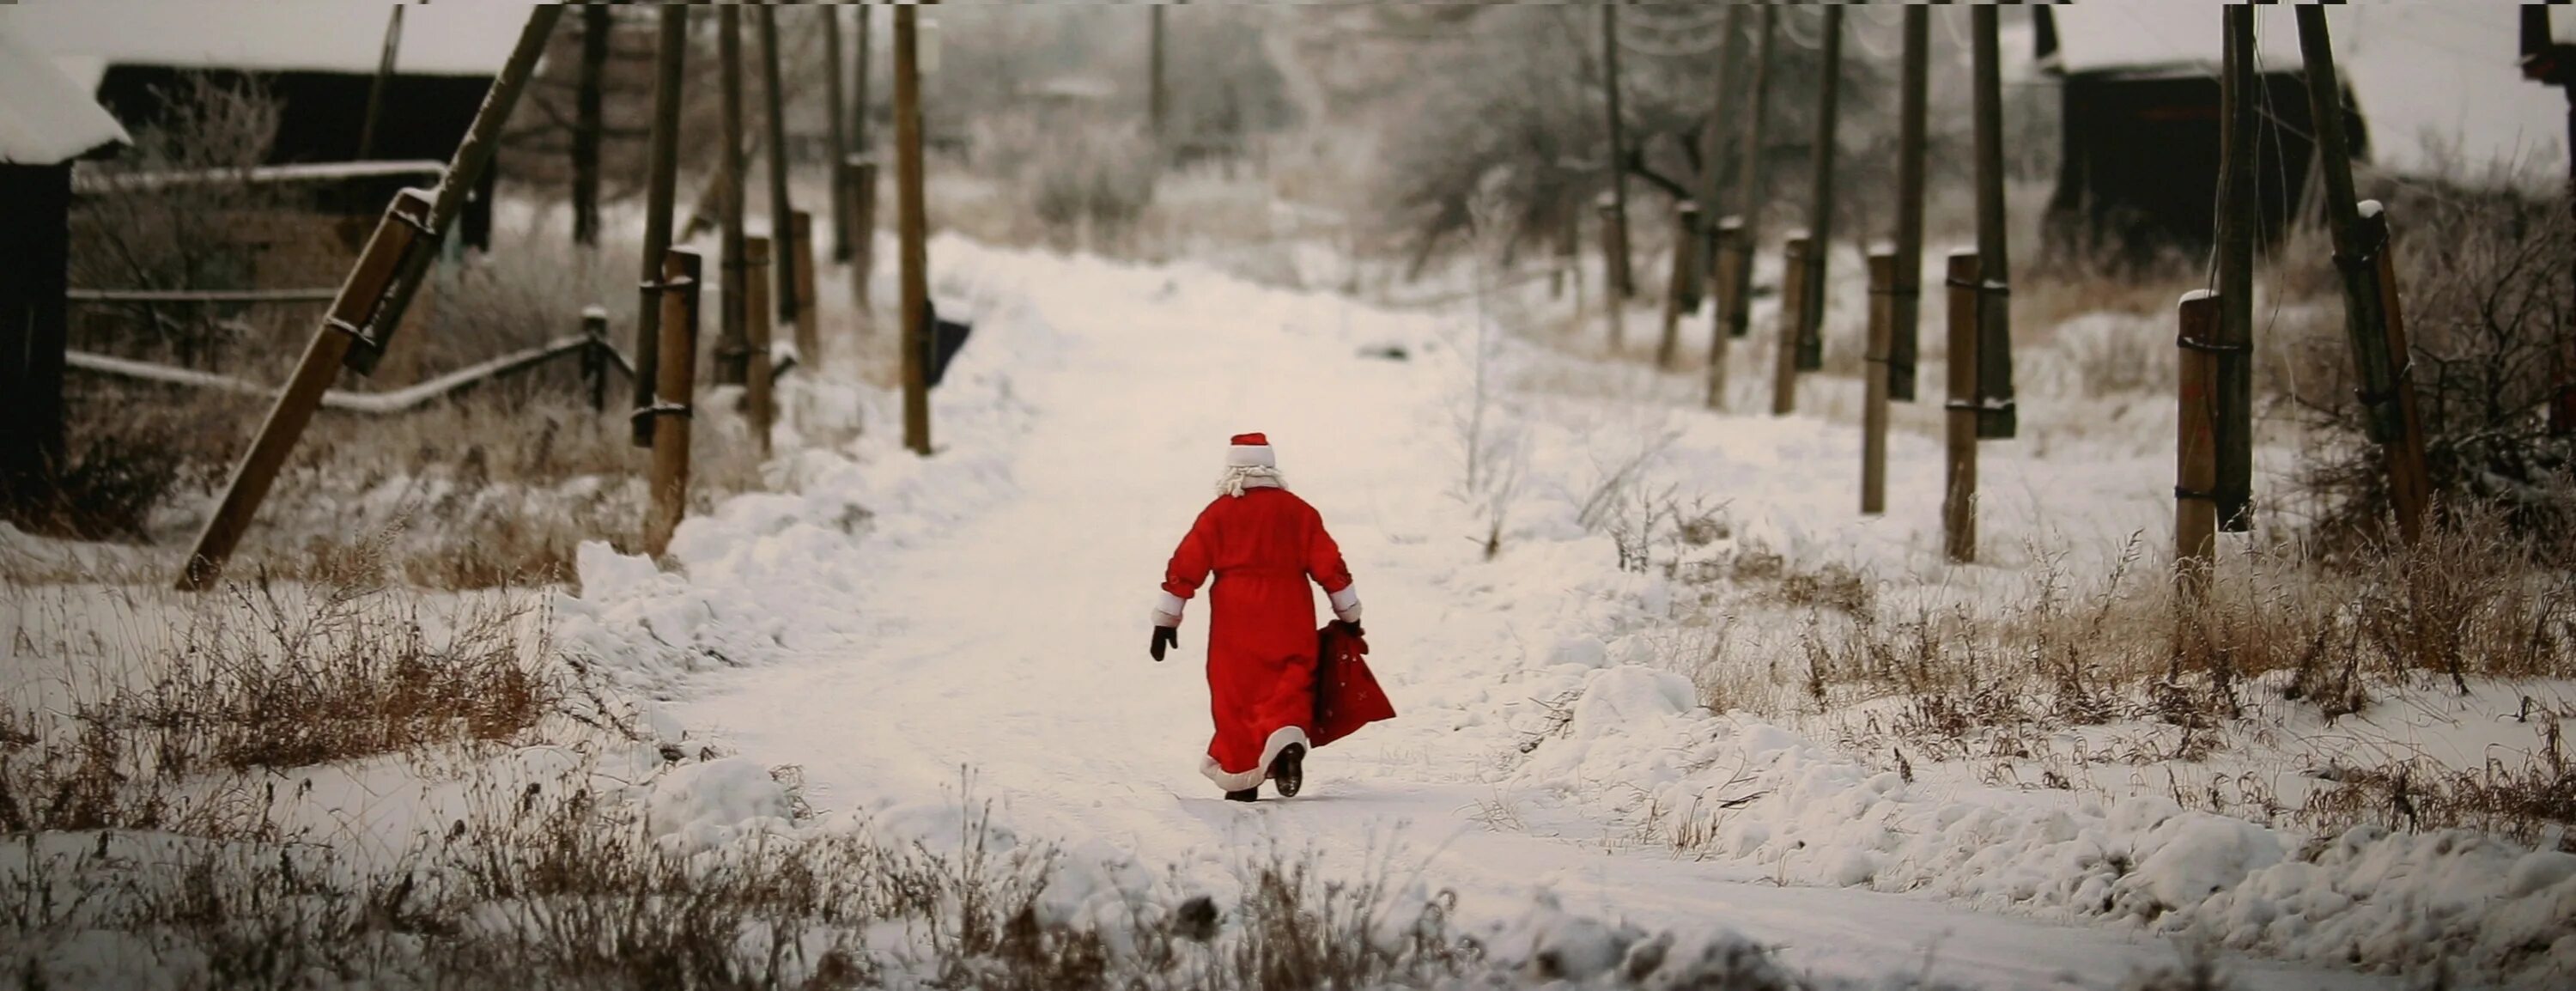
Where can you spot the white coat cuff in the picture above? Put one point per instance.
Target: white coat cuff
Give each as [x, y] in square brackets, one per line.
[1167, 610]
[1346, 603]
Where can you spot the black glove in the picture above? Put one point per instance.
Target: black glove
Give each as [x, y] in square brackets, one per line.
[1164, 637]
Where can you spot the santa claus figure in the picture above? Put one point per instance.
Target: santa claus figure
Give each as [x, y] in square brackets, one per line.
[1263, 544]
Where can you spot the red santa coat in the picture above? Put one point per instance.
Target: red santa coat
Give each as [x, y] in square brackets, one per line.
[1263, 546]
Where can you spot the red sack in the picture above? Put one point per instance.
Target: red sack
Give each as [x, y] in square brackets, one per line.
[1346, 694]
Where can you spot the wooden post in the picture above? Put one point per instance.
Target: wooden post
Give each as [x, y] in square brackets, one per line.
[1678, 292]
[1613, 248]
[1873, 420]
[1722, 290]
[863, 248]
[385, 57]
[2372, 320]
[1749, 197]
[1905, 294]
[809, 334]
[1712, 190]
[2196, 446]
[1623, 282]
[378, 265]
[915, 260]
[671, 411]
[594, 355]
[782, 211]
[1793, 298]
[2234, 488]
[1959, 482]
[660, 190]
[370, 305]
[1156, 101]
[838, 133]
[732, 349]
[759, 398]
[1820, 214]
[595, 25]
[1996, 415]
[35, 311]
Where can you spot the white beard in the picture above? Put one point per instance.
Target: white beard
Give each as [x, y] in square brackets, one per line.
[1237, 479]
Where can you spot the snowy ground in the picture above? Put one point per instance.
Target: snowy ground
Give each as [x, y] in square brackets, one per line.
[916, 633]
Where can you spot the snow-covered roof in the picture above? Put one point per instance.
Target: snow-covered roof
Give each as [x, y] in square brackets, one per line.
[2439, 84]
[448, 38]
[47, 119]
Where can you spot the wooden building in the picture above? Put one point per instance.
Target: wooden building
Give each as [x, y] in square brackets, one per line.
[46, 123]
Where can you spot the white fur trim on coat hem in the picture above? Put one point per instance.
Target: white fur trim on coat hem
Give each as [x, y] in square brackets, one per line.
[1346, 603]
[1167, 610]
[1279, 740]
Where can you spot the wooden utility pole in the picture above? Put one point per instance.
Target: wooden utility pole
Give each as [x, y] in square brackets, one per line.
[835, 109]
[595, 25]
[2236, 138]
[1793, 301]
[1996, 417]
[1873, 419]
[2370, 304]
[758, 399]
[1820, 213]
[732, 348]
[911, 227]
[1959, 479]
[1905, 292]
[1747, 239]
[792, 302]
[2196, 447]
[1157, 102]
[1678, 293]
[673, 390]
[384, 79]
[661, 189]
[1623, 284]
[369, 305]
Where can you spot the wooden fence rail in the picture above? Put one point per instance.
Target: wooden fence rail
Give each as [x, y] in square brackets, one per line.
[316, 295]
[397, 401]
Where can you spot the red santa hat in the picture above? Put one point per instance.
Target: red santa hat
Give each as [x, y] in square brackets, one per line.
[1249, 451]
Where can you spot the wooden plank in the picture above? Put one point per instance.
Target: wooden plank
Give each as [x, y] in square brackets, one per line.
[243, 296]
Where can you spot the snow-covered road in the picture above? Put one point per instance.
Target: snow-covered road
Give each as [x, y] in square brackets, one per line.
[1004, 640]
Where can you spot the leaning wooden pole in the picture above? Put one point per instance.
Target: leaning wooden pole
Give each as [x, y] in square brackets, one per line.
[2236, 219]
[661, 190]
[596, 20]
[782, 210]
[1996, 415]
[370, 303]
[732, 348]
[1623, 283]
[837, 132]
[2360, 232]
[674, 387]
[1905, 291]
[911, 228]
[1820, 211]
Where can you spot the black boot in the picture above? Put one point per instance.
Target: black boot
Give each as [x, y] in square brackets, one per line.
[1247, 795]
[1288, 770]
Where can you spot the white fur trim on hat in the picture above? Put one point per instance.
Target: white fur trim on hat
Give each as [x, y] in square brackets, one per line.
[1250, 456]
